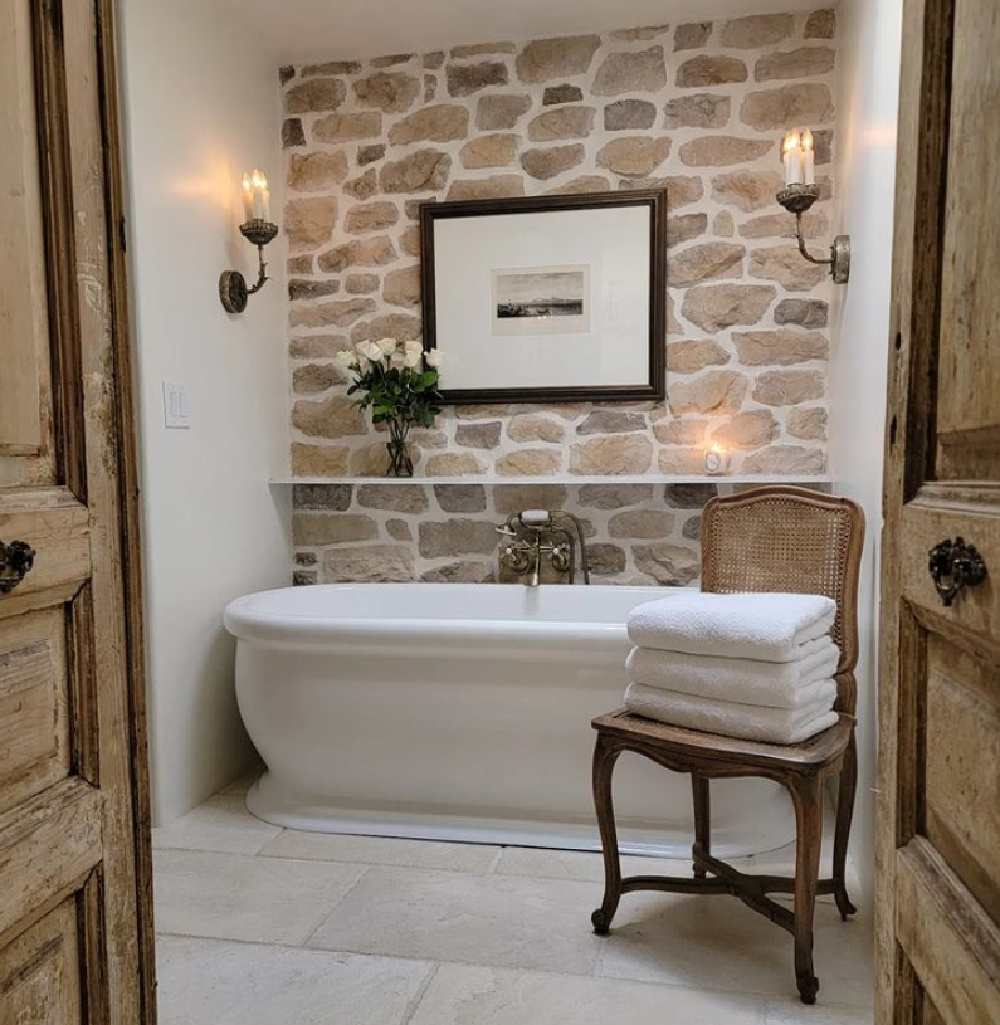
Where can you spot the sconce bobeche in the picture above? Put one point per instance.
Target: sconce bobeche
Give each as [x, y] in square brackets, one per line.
[258, 231]
[799, 194]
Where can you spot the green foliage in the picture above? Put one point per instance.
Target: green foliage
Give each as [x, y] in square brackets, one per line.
[398, 395]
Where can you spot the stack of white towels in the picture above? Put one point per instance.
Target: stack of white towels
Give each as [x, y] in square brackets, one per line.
[753, 666]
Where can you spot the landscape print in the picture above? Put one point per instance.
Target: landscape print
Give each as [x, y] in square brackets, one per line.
[541, 300]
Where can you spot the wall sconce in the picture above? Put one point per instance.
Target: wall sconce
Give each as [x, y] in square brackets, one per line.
[258, 230]
[799, 194]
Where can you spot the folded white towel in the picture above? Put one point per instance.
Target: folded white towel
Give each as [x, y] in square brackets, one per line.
[748, 722]
[773, 684]
[771, 627]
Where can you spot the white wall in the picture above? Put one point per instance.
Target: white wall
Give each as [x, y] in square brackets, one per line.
[202, 104]
[868, 52]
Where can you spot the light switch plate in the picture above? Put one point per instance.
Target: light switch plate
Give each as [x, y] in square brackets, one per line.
[176, 406]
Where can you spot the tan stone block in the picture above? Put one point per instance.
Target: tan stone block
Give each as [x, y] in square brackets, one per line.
[466, 79]
[723, 150]
[319, 460]
[702, 262]
[404, 327]
[700, 110]
[312, 528]
[529, 462]
[434, 60]
[371, 563]
[401, 498]
[708, 70]
[442, 122]
[692, 36]
[781, 225]
[483, 434]
[747, 430]
[691, 355]
[347, 127]
[802, 63]
[562, 123]
[717, 307]
[612, 421]
[510, 498]
[546, 59]
[821, 24]
[398, 530]
[789, 387]
[677, 431]
[804, 103]
[723, 224]
[391, 92]
[641, 523]
[634, 155]
[757, 31]
[315, 95]
[629, 115]
[495, 187]
[363, 187]
[402, 287]
[341, 313]
[292, 133]
[804, 312]
[391, 60]
[317, 346]
[780, 348]
[370, 154]
[641, 71]
[681, 461]
[614, 496]
[606, 560]
[484, 411]
[457, 536]
[634, 35]
[808, 424]
[321, 498]
[786, 265]
[552, 161]
[715, 391]
[333, 417]
[299, 289]
[426, 170]
[316, 377]
[309, 222]
[667, 564]
[299, 264]
[482, 49]
[673, 326]
[564, 93]
[331, 68]
[460, 497]
[786, 459]
[527, 427]
[612, 455]
[409, 241]
[368, 217]
[748, 190]
[364, 252]
[314, 172]
[585, 183]
[466, 572]
[684, 227]
[497, 113]
[453, 464]
[489, 151]
[361, 284]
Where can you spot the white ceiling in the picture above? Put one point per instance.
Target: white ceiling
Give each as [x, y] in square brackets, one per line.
[294, 31]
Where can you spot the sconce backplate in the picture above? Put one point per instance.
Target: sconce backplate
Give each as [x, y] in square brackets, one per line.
[840, 252]
[233, 291]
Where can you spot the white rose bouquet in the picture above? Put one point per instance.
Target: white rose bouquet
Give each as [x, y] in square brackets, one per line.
[399, 384]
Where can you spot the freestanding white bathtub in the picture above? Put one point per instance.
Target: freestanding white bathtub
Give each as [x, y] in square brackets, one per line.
[460, 712]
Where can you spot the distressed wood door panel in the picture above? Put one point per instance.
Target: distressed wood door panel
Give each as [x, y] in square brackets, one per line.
[75, 920]
[938, 858]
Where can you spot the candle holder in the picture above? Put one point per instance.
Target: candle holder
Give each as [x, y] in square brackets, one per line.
[717, 461]
[797, 199]
[233, 289]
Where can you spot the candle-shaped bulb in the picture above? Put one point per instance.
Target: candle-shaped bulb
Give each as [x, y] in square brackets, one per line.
[247, 197]
[256, 196]
[808, 158]
[791, 158]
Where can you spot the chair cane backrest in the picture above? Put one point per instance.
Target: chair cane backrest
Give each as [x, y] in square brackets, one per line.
[781, 538]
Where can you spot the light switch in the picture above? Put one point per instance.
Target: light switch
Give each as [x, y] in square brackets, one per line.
[176, 406]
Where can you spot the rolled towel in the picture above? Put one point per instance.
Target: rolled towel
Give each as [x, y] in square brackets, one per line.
[769, 627]
[747, 722]
[773, 684]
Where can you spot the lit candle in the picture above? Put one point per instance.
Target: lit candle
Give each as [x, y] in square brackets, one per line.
[791, 158]
[256, 196]
[808, 158]
[247, 197]
[716, 459]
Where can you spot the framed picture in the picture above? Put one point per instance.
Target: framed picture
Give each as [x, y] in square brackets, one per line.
[555, 298]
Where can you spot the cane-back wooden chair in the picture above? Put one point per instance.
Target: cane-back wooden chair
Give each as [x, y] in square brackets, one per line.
[775, 538]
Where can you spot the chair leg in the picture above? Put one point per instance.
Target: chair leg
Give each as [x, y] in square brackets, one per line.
[604, 766]
[702, 821]
[807, 795]
[842, 832]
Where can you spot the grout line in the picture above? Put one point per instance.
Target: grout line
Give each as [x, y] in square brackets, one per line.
[326, 918]
[494, 864]
[417, 999]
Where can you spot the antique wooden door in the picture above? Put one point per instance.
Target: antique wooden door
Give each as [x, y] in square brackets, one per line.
[74, 911]
[938, 925]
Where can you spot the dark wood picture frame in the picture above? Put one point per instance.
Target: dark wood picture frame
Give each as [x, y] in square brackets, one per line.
[655, 199]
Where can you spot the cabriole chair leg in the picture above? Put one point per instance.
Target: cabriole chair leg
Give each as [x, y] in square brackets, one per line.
[604, 766]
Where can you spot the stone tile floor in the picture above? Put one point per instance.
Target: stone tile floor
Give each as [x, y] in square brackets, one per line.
[263, 926]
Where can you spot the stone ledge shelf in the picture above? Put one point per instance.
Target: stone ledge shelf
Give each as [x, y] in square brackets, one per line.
[646, 478]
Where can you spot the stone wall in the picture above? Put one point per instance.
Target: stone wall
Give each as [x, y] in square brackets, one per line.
[698, 108]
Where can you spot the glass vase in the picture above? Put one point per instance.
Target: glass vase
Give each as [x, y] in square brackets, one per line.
[400, 463]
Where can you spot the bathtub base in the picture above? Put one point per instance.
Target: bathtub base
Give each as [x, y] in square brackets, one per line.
[771, 827]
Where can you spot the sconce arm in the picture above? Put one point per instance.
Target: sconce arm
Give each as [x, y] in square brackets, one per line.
[261, 274]
[802, 244]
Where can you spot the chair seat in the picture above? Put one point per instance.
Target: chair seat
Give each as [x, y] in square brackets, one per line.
[814, 753]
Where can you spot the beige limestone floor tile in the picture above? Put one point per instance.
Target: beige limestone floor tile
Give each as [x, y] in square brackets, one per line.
[715, 942]
[222, 823]
[789, 1013]
[492, 920]
[380, 850]
[541, 863]
[232, 896]
[460, 995]
[219, 982]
